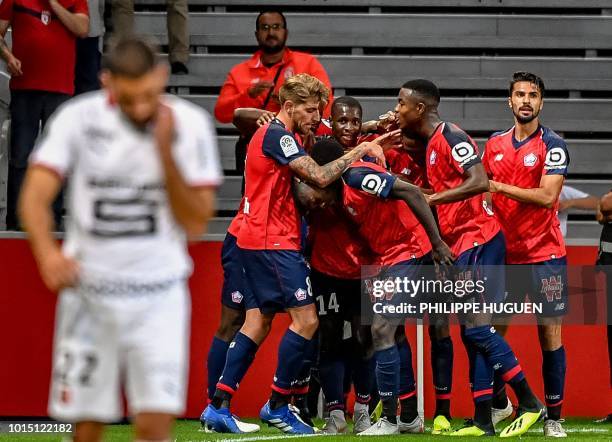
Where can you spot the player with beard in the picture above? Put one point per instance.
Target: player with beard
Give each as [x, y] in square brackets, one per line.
[458, 179]
[255, 83]
[270, 244]
[527, 165]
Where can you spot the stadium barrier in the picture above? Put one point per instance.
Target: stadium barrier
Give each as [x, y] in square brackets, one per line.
[26, 326]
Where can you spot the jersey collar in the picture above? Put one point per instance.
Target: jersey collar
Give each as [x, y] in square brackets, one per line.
[518, 144]
[255, 61]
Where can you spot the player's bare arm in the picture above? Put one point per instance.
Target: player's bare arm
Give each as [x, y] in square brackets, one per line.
[604, 209]
[476, 182]
[78, 24]
[322, 176]
[545, 195]
[248, 119]
[191, 207]
[413, 196]
[587, 203]
[13, 64]
[39, 190]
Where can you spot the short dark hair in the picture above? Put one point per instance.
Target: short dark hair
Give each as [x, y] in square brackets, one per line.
[425, 88]
[326, 150]
[270, 11]
[526, 76]
[347, 101]
[131, 56]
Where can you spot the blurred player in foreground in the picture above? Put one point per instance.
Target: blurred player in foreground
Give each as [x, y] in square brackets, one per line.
[527, 165]
[144, 168]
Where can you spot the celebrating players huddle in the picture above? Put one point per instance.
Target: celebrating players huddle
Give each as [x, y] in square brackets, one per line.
[357, 205]
[318, 217]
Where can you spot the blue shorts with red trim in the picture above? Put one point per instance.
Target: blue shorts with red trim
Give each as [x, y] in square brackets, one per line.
[279, 279]
[235, 293]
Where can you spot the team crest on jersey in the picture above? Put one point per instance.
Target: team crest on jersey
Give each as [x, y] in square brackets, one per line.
[530, 160]
[552, 288]
[432, 157]
[289, 72]
[499, 157]
[289, 146]
[300, 294]
[406, 171]
[45, 17]
[237, 297]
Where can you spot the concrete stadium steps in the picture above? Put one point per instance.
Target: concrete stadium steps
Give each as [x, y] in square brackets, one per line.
[476, 4]
[408, 30]
[448, 72]
[488, 114]
[587, 156]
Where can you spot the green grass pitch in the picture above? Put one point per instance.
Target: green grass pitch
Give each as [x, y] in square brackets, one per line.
[190, 430]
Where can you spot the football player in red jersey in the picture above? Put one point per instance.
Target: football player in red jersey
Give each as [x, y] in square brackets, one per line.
[459, 180]
[527, 165]
[373, 197]
[270, 243]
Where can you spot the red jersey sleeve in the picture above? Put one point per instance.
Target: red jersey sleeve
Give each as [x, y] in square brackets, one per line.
[80, 7]
[6, 10]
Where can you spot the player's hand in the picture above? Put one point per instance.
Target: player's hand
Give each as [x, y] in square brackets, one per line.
[259, 88]
[374, 150]
[164, 128]
[443, 258]
[387, 122]
[265, 118]
[428, 198]
[564, 205]
[494, 186]
[58, 271]
[14, 67]
[389, 140]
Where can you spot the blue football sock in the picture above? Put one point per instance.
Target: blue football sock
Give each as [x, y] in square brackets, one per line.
[240, 356]
[215, 363]
[387, 378]
[496, 350]
[300, 385]
[407, 385]
[363, 378]
[553, 372]
[331, 376]
[442, 370]
[290, 360]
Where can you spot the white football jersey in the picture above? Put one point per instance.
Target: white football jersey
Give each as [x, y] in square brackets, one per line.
[121, 227]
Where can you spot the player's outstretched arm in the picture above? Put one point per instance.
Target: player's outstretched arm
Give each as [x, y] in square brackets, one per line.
[322, 176]
[191, 207]
[476, 182]
[546, 195]
[413, 196]
[39, 190]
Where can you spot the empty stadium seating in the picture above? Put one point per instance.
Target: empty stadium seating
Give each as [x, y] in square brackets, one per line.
[468, 47]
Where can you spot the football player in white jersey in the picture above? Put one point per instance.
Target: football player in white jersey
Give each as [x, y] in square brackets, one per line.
[143, 168]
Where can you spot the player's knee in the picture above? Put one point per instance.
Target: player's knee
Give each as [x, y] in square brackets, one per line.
[153, 427]
[306, 324]
[550, 337]
[383, 335]
[230, 324]
[88, 432]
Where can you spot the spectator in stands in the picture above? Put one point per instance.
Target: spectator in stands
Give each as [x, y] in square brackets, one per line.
[89, 51]
[572, 198]
[177, 25]
[41, 63]
[255, 83]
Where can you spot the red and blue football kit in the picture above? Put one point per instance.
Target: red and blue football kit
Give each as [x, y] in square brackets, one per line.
[392, 231]
[270, 234]
[463, 224]
[401, 163]
[533, 234]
